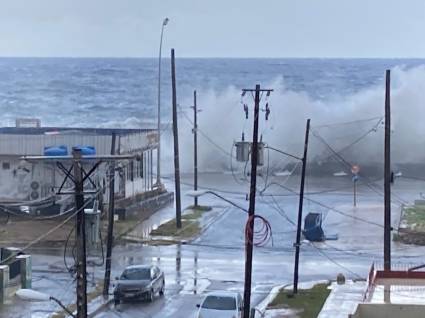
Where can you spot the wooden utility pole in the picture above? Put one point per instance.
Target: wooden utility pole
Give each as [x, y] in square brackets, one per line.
[80, 237]
[300, 209]
[176, 143]
[195, 148]
[249, 241]
[387, 175]
[111, 209]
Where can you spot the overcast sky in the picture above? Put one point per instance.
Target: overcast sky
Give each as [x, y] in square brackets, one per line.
[213, 28]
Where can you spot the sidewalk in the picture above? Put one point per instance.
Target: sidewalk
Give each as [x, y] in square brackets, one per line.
[343, 299]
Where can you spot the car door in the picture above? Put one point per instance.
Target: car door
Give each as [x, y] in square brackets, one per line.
[156, 284]
[240, 306]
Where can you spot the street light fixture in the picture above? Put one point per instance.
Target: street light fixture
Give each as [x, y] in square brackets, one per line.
[158, 163]
[33, 295]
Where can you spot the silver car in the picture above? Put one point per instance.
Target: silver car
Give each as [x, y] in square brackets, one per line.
[139, 282]
[221, 305]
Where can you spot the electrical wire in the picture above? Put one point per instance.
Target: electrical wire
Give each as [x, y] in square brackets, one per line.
[332, 209]
[348, 166]
[321, 252]
[69, 269]
[357, 140]
[56, 227]
[260, 236]
[206, 136]
[348, 122]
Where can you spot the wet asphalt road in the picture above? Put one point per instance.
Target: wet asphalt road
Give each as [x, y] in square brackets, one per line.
[215, 261]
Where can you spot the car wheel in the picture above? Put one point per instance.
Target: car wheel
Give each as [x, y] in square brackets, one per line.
[150, 296]
[161, 291]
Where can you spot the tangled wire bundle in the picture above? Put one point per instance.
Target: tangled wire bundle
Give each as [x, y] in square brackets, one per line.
[261, 236]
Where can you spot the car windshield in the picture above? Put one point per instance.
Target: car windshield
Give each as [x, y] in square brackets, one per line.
[136, 274]
[219, 303]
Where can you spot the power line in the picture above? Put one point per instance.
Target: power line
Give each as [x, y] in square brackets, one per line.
[333, 209]
[348, 122]
[335, 262]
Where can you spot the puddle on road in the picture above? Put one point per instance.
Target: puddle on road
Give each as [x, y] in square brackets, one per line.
[181, 272]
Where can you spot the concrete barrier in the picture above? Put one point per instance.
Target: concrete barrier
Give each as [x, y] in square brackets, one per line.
[4, 282]
[26, 270]
[141, 209]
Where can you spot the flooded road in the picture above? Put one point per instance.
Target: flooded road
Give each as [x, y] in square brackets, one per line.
[215, 261]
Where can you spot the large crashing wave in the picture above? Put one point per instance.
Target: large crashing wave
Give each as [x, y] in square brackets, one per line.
[350, 125]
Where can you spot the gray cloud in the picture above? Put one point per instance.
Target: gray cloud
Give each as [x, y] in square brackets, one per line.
[237, 28]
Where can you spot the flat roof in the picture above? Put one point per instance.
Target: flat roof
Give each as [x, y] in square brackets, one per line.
[71, 130]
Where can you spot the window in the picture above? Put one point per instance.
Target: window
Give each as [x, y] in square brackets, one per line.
[6, 165]
[141, 164]
[219, 303]
[131, 170]
[136, 274]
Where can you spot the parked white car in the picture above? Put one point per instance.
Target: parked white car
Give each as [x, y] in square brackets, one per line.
[221, 305]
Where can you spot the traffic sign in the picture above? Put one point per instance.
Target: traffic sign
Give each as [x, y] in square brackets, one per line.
[355, 169]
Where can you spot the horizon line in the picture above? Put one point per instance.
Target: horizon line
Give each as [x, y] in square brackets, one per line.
[216, 57]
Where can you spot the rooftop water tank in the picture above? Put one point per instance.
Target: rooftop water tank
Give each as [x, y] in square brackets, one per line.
[56, 151]
[86, 150]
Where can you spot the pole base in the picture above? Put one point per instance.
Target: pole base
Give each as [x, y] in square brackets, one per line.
[158, 185]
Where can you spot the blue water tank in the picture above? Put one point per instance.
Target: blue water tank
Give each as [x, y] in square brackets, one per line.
[86, 150]
[56, 151]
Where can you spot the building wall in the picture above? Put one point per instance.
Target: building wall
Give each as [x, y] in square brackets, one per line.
[18, 175]
[34, 144]
[388, 311]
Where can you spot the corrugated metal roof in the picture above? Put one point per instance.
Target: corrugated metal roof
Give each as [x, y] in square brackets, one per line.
[128, 141]
[71, 130]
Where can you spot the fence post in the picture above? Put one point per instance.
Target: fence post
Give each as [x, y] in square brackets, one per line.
[26, 271]
[4, 282]
[252, 315]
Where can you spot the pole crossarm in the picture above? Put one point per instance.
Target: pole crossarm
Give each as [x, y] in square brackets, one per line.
[254, 90]
[87, 174]
[67, 175]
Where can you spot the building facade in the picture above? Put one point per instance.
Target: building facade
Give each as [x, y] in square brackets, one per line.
[35, 183]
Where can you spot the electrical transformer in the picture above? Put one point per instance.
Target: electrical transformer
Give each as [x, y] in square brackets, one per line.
[242, 150]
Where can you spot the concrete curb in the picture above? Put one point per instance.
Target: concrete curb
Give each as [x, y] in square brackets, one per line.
[100, 308]
[170, 240]
[262, 307]
[220, 215]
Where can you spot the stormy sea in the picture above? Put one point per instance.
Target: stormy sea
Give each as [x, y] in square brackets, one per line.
[343, 97]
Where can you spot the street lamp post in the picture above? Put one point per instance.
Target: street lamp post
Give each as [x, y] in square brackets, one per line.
[158, 163]
[33, 295]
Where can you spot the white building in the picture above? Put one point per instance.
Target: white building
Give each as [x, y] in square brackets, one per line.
[24, 182]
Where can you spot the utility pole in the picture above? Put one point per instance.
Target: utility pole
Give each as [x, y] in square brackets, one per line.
[80, 236]
[300, 209]
[195, 149]
[387, 175]
[111, 209]
[176, 144]
[249, 241]
[78, 175]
